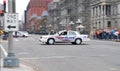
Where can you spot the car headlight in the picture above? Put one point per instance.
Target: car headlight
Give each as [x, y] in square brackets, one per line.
[44, 37]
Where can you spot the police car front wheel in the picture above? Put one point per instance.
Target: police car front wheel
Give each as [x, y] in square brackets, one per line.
[51, 41]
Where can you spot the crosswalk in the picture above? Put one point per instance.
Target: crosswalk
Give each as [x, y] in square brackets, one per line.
[25, 39]
[2, 49]
[20, 39]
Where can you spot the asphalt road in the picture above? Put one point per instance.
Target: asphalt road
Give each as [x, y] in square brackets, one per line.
[96, 55]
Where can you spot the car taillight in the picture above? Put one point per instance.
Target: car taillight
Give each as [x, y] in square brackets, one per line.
[88, 36]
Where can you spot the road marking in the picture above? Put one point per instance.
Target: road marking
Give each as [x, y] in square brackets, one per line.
[4, 51]
[113, 69]
[16, 39]
[23, 53]
[3, 41]
[50, 57]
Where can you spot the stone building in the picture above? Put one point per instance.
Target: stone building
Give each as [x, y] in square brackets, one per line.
[69, 11]
[54, 14]
[94, 14]
[105, 14]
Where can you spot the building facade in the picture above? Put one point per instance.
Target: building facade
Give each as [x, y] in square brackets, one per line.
[54, 11]
[67, 12]
[94, 14]
[34, 11]
[105, 14]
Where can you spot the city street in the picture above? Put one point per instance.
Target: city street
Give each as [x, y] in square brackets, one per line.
[95, 55]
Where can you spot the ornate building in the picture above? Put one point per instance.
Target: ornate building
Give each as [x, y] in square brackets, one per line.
[69, 11]
[54, 14]
[94, 14]
[105, 14]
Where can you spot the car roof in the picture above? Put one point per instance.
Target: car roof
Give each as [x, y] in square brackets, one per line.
[68, 31]
[65, 30]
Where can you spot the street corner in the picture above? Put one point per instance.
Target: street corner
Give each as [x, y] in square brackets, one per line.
[25, 68]
[20, 68]
[117, 40]
[1, 41]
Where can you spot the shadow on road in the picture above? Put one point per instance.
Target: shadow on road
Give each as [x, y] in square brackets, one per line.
[64, 44]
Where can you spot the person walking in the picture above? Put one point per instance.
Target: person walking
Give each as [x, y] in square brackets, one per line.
[119, 35]
[1, 32]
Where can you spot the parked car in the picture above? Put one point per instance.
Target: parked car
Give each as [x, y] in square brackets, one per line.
[20, 34]
[65, 36]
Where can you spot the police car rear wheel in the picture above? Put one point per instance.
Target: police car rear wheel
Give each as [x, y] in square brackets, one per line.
[23, 36]
[78, 41]
[50, 41]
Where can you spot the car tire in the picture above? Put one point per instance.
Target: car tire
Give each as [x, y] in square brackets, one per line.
[23, 35]
[78, 41]
[73, 42]
[51, 41]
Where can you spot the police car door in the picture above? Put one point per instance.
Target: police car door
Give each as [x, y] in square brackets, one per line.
[71, 36]
[64, 37]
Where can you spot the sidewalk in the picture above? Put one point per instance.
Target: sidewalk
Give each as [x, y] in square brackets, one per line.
[20, 68]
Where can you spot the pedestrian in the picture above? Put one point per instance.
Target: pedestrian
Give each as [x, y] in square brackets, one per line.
[119, 34]
[113, 34]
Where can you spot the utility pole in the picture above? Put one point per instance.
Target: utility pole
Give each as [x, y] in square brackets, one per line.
[11, 60]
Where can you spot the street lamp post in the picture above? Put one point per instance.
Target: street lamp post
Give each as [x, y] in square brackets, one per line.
[63, 24]
[79, 27]
[67, 23]
[103, 4]
[78, 21]
[71, 24]
[57, 20]
[49, 29]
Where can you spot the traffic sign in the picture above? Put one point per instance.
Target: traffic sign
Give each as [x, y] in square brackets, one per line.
[11, 22]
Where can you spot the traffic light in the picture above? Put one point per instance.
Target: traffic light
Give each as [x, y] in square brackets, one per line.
[4, 4]
[4, 8]
[1, 13]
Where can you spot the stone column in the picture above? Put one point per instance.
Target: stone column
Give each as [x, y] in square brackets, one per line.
[92, 12]
[95, 11]
[101, 10]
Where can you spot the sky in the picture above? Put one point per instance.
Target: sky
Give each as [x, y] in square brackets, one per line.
[20, 7]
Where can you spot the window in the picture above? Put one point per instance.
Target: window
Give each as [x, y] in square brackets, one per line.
[72, 33]
[109, 24]
[108, 10]
[64, 33]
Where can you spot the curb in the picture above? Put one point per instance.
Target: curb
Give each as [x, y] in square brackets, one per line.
[22, 67]
[3, 41]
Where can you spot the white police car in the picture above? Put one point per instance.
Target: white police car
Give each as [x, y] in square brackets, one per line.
[64, 36]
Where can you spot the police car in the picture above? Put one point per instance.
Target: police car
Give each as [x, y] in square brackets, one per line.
[64, 36]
